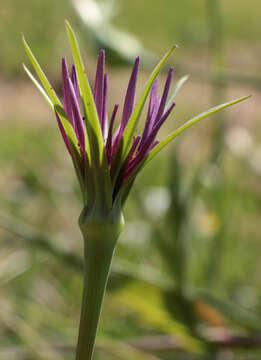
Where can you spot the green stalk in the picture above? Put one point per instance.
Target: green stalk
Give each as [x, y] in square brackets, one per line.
[100, 239]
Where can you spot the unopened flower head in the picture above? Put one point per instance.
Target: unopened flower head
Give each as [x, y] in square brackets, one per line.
[105, 149]
[141, 145]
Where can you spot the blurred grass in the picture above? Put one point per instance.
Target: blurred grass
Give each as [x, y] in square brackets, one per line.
[183, 23]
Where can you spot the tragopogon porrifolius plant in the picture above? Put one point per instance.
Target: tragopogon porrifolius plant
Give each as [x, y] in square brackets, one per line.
[107, 158]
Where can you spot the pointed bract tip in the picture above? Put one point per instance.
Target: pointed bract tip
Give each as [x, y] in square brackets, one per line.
[245, 97]
[173, 47]
[25, 68]
[101, 55]
[136, 63]
[67, 24]
[22, 35]
[64, 63]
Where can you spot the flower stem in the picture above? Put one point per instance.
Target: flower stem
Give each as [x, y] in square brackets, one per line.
[99, 245]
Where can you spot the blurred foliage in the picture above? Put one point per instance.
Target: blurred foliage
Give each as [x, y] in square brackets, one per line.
[188, 259]
[184, 23]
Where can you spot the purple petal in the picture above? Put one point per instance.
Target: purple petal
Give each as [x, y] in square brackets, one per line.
[66, 92]
[157, 125]
[151, 117]
[153, 97]
[155, 142]
[164, 96]
[79, 124]
[128, 103]
[156, 108]
[148, 145]
[75, 83]
[154, 132]
[65, 138]
[134, 147]
[99, 84]
[134, 163]
[104, 105]
[130, 94]
[109, 138]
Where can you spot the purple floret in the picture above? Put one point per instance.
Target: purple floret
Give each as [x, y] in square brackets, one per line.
[141, 144]
[72, 104]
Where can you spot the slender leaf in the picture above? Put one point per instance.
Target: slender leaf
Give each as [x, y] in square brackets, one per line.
[133, 121]
[126, 187]
[126, 141]
[45, 82]
[98, 160]
[94, 133]
[49, 94]
[186, 125]
[176, 89]
[39, 87]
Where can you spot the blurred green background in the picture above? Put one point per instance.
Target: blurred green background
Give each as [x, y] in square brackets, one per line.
[185, 282]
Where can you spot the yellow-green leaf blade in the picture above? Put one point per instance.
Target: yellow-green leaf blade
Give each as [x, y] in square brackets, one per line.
[45, 82]
[133, 121]
[175, 90]
[49, 94]
[125, 188]
[187, 124]
[93, 124]
[39, 87]
[98, 160]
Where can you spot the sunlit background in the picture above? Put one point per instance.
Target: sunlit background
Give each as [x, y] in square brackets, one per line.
[185, 282]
